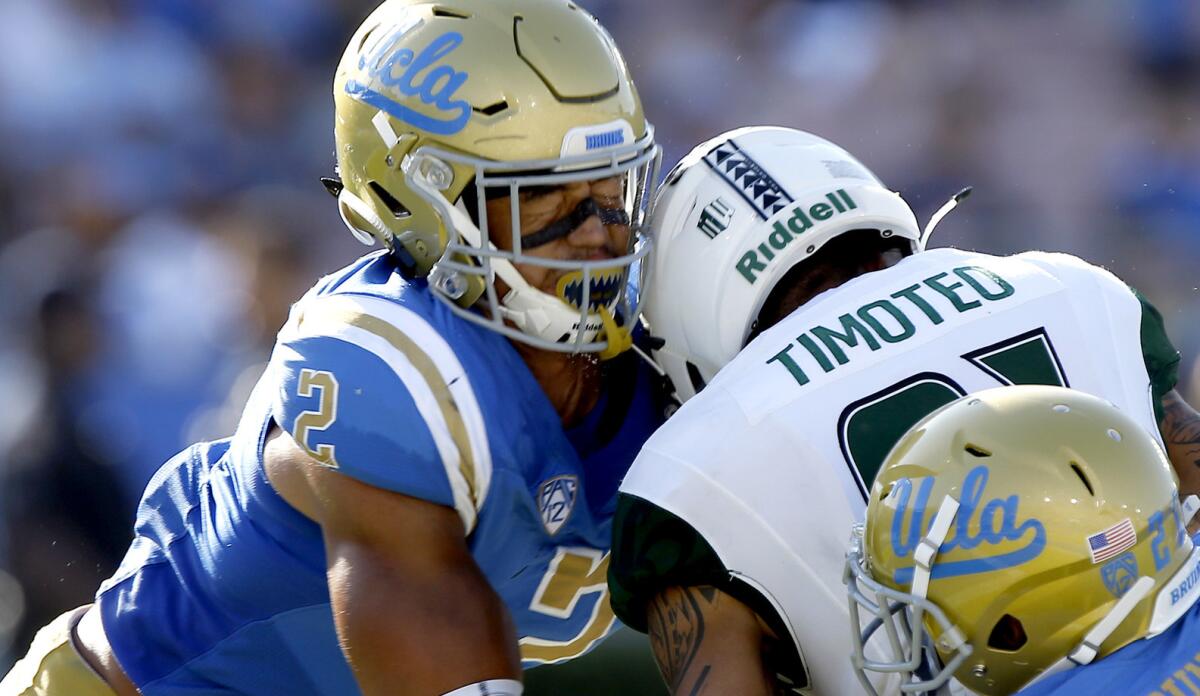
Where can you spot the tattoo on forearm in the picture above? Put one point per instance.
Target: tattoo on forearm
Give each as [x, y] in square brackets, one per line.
[1181, 430]
[676, 623]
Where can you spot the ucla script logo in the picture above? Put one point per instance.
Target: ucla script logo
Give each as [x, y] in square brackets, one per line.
[997, 524]
[414, 75]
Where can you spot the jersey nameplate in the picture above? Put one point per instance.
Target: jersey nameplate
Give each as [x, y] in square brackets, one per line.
[893, 319]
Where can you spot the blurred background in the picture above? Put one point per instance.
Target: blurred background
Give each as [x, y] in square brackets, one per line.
[159, 204]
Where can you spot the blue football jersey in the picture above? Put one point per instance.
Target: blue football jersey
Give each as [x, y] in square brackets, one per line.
[1167, 664]
[223, 589]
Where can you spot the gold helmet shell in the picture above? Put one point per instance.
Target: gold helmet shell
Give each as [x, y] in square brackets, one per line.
[437, 99]
[1058, 537]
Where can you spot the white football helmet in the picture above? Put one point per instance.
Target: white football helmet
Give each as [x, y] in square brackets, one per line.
[731, 219]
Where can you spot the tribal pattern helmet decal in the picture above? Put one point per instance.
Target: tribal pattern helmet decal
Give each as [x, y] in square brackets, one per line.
[748, 178]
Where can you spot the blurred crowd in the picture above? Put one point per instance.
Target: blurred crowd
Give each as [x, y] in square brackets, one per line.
[159, 203]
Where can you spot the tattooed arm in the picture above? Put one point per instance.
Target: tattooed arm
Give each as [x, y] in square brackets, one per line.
[1181, 431]
[706, 642]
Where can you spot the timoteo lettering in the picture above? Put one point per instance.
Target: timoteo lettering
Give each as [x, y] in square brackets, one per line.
[892, 319]
[801, 220]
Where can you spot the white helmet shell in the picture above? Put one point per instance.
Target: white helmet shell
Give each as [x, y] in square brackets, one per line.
[731, 219]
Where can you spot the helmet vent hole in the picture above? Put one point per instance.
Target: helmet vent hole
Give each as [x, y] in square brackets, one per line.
[366, 37]
[1083, 477]
[396, 207]
[977, 451]
[440, 11]
[492, 109]
[1008, 634]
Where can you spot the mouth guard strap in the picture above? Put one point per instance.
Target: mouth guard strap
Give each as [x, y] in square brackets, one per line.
[619, 339]
[561, 228]
[941, 213]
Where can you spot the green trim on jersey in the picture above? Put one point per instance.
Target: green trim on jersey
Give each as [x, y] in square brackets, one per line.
[1162, 360]
[653, 550]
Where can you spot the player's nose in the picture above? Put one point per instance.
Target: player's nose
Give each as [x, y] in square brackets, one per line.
[589, 234]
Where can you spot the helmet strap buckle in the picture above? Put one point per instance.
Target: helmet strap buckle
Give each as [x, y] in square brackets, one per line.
[927, 550]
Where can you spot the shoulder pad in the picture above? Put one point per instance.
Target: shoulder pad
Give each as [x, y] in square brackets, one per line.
[372, 389]
[1063, 264]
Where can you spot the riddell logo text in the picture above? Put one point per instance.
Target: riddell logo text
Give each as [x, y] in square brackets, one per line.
[755, 260]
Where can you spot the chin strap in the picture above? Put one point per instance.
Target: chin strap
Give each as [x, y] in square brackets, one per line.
[1191, 505]
[926, 551]
[619, 338]
[928, 548]
[1089, 647]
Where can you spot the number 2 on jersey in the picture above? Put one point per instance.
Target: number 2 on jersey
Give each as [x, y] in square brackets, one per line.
[869, 427]
[572, 574]
[311, 382]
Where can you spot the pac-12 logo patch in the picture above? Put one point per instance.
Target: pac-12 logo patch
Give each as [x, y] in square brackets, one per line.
[1120, 573]
[556, 501]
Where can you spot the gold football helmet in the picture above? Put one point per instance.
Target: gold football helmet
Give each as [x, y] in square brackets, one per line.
[1015, 533]
[443, 105]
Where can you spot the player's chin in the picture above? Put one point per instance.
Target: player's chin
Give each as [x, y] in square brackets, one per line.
[538, 277]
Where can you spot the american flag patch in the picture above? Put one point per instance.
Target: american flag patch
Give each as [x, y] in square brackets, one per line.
[1112, 541]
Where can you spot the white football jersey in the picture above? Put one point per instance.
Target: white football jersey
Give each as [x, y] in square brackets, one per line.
[772, 461]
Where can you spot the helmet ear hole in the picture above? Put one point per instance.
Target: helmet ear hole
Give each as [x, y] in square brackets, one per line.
[397, 209]
[1008, 634]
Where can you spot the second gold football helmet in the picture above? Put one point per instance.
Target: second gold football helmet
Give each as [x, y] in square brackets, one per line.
[1014, 533]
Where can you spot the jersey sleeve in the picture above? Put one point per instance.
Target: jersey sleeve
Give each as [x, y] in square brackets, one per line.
[1162, 360]
[1159, 355]
[653, 550]
[366, 387]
